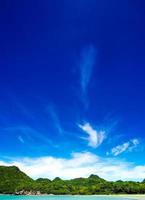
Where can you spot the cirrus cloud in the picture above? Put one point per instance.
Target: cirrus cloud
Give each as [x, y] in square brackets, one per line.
[95, 138]
[87, 61]
[127, 146]
[86, 65]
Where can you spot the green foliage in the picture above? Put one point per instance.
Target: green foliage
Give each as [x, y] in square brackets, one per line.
[13, 181]
[12, 178]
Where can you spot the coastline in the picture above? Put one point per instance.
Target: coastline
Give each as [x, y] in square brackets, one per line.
[127, 196]
[133, 196]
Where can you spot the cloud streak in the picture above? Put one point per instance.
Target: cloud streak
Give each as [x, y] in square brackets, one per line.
[80, 164]
[30, 136]
[125, 147]
[52, 112]
[95, 138]
[87, 61]
[86, 65]
[20, 138]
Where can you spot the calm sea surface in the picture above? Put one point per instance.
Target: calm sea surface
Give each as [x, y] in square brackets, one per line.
[12, 197]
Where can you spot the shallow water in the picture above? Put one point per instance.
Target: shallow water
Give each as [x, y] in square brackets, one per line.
[12, 197]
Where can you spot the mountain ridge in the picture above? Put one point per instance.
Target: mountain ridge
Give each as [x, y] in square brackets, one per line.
[14, 181]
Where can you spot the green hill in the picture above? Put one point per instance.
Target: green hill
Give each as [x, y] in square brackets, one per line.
[11, 178]
[14, 181]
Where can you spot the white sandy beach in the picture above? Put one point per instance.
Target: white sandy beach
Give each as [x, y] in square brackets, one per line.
[132, 196]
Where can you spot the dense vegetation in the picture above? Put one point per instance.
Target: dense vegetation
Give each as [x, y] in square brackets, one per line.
[13, 181]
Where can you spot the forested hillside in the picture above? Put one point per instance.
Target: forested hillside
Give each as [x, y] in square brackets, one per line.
[14, 181]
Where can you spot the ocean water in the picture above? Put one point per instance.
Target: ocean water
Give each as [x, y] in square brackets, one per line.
[12, 197]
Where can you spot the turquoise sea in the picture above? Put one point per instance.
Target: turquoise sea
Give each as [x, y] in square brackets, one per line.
[12, 197]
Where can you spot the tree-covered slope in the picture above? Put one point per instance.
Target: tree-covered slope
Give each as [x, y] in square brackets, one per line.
[14, 181]
[11, 179]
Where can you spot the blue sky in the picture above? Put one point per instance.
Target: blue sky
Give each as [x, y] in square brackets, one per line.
[72, 88]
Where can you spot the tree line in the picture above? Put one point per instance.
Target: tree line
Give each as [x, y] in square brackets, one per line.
[14, 181]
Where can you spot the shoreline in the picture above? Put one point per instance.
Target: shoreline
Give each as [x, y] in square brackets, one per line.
[129, 196]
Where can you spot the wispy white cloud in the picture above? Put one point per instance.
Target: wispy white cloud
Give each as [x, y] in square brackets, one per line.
[29, 135]
[54, 116]
[134, 144]
[80, 164]
[127, 146]
[120, 149]
[95, 138]
[20, 138]
[86, 64]
[87, 61]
